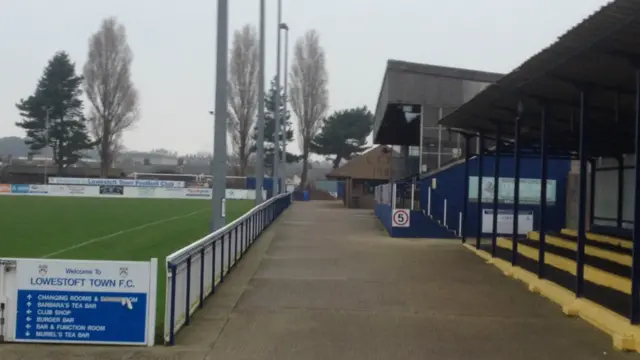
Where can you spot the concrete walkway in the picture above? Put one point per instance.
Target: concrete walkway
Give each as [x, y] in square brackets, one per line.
[333, 285]
[328, 283]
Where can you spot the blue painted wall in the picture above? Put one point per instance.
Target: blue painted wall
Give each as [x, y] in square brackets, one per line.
[450, 182]
[340, 189]
[420, 226]
[383, 212]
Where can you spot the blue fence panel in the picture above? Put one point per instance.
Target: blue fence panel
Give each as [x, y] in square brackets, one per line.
[340, 189]
[449, 183]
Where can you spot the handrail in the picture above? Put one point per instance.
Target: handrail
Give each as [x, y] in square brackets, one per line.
[194, 271]
[181, 255]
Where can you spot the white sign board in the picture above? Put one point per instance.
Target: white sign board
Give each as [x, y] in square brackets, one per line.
[120, 182]
[82, 302]
[529, 190]
[118, 191]
[400, 218]
[505, 222]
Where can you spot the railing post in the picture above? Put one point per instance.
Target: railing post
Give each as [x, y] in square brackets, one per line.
[201, 304]
[429, 200]
[254, 228]
[235, 235]
[251, 229]
[221, 259]
[460, 224]
[228, 252]
[187, 315]
[243, 235]
[172, 305]
[213, 268]
[445, 213]
[413, 191]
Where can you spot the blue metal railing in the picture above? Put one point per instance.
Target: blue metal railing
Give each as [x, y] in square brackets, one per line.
[446, 212]
[194, 272]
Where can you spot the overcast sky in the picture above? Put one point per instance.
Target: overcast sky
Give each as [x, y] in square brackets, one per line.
[174, 46]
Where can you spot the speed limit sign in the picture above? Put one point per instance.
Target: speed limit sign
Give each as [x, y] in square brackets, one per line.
[400, 218]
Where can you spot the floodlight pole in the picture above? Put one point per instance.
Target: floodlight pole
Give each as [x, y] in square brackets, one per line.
[276, 131]
[260, 139]
[219, 171]
[46, 142]
[285, 27]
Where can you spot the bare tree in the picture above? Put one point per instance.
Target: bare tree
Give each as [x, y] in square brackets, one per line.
[308, 91]
[243, 93]
[108, 86]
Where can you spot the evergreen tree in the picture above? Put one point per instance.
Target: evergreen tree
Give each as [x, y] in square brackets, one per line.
[344, 134]
[53, 115]
[269, 127]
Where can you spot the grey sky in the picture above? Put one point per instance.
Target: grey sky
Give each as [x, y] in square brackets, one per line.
[174, 46]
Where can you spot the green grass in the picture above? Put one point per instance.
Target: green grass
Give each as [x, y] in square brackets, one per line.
[57, 227]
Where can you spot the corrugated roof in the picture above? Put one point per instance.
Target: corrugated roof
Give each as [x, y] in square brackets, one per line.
[589, 54]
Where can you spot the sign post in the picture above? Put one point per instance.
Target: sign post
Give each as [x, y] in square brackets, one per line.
[401, 218]
[84, 302]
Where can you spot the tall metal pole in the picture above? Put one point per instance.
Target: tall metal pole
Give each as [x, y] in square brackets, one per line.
[260, 140]
[284, 106]
[276, 129]
[46, 141]
[219, 172]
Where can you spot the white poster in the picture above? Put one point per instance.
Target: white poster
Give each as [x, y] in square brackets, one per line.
[505, 222]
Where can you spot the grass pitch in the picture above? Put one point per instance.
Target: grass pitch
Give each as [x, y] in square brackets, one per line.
[106, 229]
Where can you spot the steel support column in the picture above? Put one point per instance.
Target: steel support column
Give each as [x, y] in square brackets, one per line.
[479, 203]
[516, 185]
[582, 197]
[620, 200]
[544, 158]
[219, 168]
[496, 188]
[592, 190]
[635, 262]
[465, 190]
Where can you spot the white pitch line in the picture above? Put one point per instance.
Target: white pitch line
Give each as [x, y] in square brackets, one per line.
[94, 240]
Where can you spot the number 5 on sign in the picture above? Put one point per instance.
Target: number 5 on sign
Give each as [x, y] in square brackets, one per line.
[400, 218]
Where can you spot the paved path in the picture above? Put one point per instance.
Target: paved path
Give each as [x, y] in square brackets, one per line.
[327, 283]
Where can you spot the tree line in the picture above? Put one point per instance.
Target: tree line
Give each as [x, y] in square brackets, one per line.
[54, 115]
[337, 136]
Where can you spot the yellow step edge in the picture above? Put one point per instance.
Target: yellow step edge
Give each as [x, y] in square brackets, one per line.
[624, 335]
[591, 273]
[601, 238]
[622, 259]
